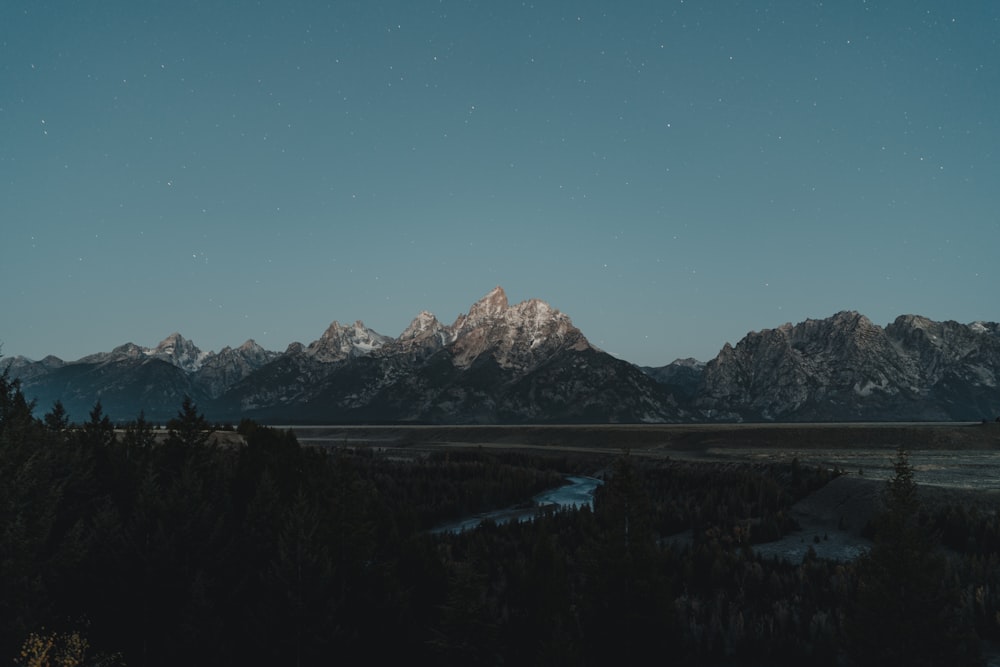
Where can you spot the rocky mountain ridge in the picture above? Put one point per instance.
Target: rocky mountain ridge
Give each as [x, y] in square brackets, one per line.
[845, 368]
[527, 362]
[496, 363]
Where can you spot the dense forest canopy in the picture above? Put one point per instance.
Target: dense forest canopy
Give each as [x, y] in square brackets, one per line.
[133, 547]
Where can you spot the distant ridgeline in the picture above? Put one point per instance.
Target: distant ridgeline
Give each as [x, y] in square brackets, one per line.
[527, 363]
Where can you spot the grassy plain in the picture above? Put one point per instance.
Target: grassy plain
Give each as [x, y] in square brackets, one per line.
[672, 440]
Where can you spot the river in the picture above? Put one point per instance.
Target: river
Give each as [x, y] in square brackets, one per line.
[577, 492]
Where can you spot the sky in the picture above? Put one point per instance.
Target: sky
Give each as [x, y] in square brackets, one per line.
[670, 174]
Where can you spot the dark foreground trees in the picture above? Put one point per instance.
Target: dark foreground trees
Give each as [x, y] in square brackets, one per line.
[907, 610]
[179, 550]
[184, 551]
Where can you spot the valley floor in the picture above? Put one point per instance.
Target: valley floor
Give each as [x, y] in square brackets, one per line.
[952, 461]
[675, 440]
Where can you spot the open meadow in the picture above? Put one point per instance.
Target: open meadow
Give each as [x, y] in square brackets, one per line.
[956, 455]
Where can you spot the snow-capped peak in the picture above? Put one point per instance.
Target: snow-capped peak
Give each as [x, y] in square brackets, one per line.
[340, 341]
[688, 362]
[178, 351]
[250, 346]
[490, 306]
[518, 335]
[420, 325]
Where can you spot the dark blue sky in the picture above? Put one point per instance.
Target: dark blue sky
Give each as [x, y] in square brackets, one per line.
[669, 174]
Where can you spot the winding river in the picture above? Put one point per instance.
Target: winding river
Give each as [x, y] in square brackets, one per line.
[577, 492]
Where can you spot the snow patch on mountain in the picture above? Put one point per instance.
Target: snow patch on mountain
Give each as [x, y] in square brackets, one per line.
[519, 336]
[340, 342]
[179, 351]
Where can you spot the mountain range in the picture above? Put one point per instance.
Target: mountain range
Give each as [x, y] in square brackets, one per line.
[527, 363]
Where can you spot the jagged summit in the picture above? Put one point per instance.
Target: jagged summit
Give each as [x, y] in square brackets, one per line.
[129, 351]
[179, 351]
[496, 363]
[340, 342]
[845, 367]
[914, 321]
[495, 307]
[421, 325]
[250, 344]
[490, 307]
[515, 336]
[527, 362]
[173, 340]
[424, 335]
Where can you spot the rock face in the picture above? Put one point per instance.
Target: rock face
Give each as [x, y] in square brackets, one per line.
[124, 386]
[495, 364]
[27, 370]
[340, 342]
[218, 372]
[131, 378]
[682, 377]
[178, 351]
[527, 363]
[844, 368]
[516, 337]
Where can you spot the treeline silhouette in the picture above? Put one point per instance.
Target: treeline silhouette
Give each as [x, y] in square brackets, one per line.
[154, 550]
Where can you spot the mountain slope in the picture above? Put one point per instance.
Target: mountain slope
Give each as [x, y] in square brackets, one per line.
[497, 363]
[123, 386]
[846, 368]
[528, 363]
[130, 378]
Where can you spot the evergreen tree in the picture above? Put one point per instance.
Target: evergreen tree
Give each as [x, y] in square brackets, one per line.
[16, 420]
[31, 491]
[906, 606]
[189, 428]
[98, 431]
[626, 612]
[623, 507]
[138, 437]
[57, 419]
